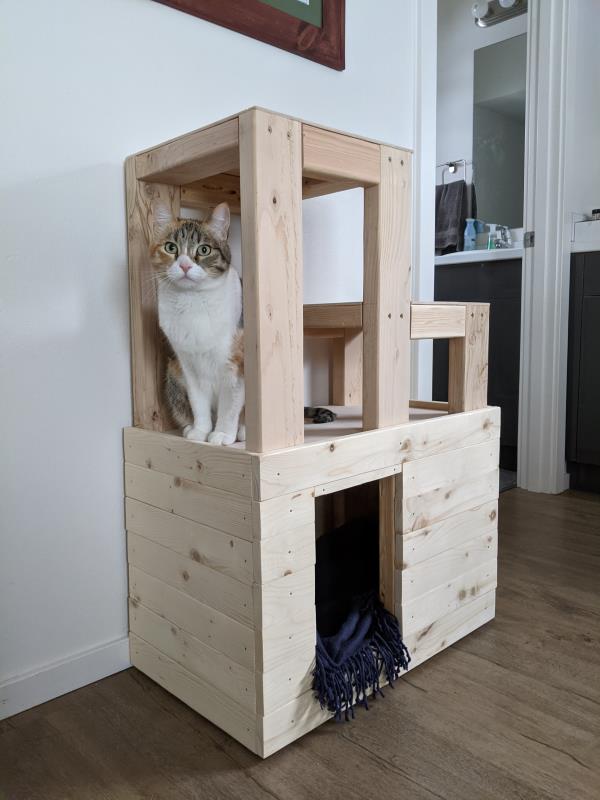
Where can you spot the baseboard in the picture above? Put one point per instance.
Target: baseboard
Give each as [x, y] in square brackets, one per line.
[25, 691]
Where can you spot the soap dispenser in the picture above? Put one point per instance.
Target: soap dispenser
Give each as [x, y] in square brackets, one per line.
[492, 237]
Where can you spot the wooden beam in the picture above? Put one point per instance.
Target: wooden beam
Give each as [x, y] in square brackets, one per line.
[209, 192]
[148, 345]
[315, 188]
[386, 292]
[436, 321]
[200, 154]
[387, 539]
[468, 362]
[429, 405]
[346, 368]
[331, 156]
[271, 203]
[333, 315]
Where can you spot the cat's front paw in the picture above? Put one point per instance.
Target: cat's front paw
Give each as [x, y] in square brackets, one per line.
[196, 434]
[218, 437]
[241, 433]
[186, 430]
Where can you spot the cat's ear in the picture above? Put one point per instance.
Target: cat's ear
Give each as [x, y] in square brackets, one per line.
[218, 223]
[163, 218]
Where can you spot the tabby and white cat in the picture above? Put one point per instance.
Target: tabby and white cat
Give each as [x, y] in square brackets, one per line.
[199, 310]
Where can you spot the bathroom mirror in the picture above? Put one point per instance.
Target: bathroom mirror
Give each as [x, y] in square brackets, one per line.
[499, 130]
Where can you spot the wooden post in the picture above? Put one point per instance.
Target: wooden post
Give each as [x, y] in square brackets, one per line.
[386, 303]
[271, 205]
[387, 541]
[468, 362]
[148, 346]
[346, 368]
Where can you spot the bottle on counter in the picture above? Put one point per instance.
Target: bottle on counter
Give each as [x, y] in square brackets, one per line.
[470, 241]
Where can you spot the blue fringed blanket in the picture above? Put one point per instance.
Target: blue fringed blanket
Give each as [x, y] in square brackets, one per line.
[358, 641]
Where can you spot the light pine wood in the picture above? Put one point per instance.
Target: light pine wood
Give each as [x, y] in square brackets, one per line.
[468, 362]
[333, 315]
[289, 722]
[147, 342]
[436, 321]
[283, 684]
[297, 469]
[315, 188]
[387, 541]
[386, 293]
[223, 673]
[442, 633]
[206, 194]
[444, 599]
[347, 368]
[284, 513]
[432, 405]
[271, 181]
[332, 156]
[210, 626]
[288, 641]
[224, 594]
[195, 692]
[224, 511]
[357, 480]
[280, 600]
[445, 566]
[201, 154]
[214, 549]
[225, 468]
[418, 546]
[278, 556]
[442, 471]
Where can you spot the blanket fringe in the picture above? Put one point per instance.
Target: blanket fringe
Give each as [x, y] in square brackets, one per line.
[341, 685]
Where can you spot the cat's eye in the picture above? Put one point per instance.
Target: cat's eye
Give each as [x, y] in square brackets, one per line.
[204, 250]
[171, 248]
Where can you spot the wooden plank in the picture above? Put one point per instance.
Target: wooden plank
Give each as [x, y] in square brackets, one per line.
[429, 405]
[357, 480]
[424, 509]
[195, 692]
[444, 599]
[289, 640]
[282, 599]
[468, 362]
[285, 683]
[205, 662]
[224, 511]
[209, 192]
[219, 551]
[271, 181]
[347, 369]
[289, 722]
[295, 469]
[283, 514]
[314, 188]
[436, 321]
[333, 315]
[387, 541]
[418, 546]
[288, 552]
[441, 471]
[224, 468]
[216, 629]
[445, 566]
[334, 156]
[224, 594]
[147, 342]
[386, 293]
[324, 333]
[425, 643]
[196, 155]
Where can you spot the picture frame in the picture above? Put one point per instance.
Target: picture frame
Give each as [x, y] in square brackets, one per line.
[264, 20]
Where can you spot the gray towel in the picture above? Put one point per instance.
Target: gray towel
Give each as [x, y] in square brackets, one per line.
[450, 214]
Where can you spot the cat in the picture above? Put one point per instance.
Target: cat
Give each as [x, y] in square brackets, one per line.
[199, 311]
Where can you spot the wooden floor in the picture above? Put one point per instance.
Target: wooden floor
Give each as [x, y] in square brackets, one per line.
[513, 711]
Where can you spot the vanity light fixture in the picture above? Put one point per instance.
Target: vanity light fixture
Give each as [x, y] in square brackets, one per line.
[490, 12]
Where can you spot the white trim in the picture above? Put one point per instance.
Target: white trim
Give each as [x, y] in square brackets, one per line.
[542, 401]
[424, 139]
[38, 686]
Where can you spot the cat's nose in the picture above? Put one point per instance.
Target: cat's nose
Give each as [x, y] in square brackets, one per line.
[186, 266]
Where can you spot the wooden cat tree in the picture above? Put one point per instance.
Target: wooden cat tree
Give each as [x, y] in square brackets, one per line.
[221, 540]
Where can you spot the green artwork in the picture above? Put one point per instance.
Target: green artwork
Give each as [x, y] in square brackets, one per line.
[306, 10]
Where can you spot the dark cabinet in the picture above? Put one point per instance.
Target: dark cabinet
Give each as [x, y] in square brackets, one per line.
[583, 378]
[497, 283]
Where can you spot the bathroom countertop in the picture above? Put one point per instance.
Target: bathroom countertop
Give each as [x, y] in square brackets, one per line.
[465, 256]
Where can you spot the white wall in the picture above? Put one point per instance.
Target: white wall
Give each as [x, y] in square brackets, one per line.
[458, 38]
[83, 86]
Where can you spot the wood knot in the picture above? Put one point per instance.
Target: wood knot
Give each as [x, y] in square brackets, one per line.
[200, 465]
[195, 555]
[177, 482]
[331, 447]
[487, 424]
[185, 575]
[134, 601]
[149, 463]
[231, 543]
[288, 572]
[462, 594]
[493, 514]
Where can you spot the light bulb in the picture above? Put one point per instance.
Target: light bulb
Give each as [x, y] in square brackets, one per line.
[480, 9]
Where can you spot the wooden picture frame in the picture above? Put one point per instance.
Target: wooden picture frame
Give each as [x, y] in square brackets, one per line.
[325, 44]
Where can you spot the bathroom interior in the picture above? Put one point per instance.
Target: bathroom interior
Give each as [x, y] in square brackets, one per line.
[480, 169]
